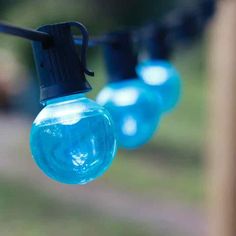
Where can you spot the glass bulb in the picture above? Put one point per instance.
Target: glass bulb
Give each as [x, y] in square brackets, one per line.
[164, 79]
[135, 110]
[72, 139]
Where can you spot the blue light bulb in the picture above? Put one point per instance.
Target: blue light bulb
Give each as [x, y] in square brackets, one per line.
[135, 110]
[164, 79]
[72, 139]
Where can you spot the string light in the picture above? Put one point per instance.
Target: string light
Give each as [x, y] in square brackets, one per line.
[73, 139]
[135, 109]
[156, 70]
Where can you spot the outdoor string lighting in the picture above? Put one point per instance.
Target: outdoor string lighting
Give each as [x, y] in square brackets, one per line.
[135, 109]
[156, 70]
[74, 139]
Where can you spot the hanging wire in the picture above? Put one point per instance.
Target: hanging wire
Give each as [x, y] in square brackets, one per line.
[177, 22]
[205, 7]
[25, 33]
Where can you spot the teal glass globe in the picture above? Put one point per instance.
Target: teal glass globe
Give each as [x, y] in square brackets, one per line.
[164, 79]
[135, 109]
[72, 139]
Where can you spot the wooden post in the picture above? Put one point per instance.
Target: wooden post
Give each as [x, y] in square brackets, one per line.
[222, 122]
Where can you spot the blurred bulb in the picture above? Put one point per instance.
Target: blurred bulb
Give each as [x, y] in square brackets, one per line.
[164, 79]
[135, 110]
[72, 139]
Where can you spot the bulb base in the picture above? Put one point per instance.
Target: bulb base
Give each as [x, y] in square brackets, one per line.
[58, 64]
[120, 59]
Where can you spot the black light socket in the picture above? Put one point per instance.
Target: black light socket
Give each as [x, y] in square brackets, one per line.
[156, 42]
[58, 64]
[120, 59]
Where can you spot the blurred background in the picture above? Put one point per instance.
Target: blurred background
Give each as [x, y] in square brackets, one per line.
[156, 190]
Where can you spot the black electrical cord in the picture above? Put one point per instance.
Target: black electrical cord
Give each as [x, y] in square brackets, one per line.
[206, 7]
[182, 24]
[24, 32]
[94, 41]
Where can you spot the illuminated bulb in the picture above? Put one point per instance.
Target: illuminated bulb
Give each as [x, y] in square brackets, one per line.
[135, 110]
[164, 79]
[72, 139]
